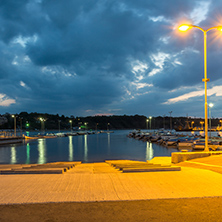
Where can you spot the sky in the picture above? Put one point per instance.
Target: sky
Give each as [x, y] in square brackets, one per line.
[109, 57]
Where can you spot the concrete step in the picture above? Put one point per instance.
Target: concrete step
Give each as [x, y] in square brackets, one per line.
[139, 166]
[49, 168]
[33, 171]
[150, 169]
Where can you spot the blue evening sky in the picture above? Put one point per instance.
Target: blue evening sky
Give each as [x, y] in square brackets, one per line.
[114, 57]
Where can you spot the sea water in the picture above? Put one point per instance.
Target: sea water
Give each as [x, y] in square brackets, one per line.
[85, 148]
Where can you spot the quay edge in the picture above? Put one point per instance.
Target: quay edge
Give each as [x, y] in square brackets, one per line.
[178, 157]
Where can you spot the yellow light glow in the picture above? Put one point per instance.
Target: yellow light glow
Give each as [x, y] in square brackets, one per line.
[184, 28]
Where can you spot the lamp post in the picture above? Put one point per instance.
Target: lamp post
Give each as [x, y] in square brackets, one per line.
[14, 116]
[201, 122]
[205, 80]
[21, 126]
[210, 106]
[150, 121]
[70, 121]
[85, 125]
[147, 121]
[170, 120]
[42, 124]
[221, 123]
[192, 125]
[163, 121]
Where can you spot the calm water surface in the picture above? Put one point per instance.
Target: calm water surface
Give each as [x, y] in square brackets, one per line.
[85, 148]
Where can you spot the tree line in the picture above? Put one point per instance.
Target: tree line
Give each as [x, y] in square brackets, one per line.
[34, 121]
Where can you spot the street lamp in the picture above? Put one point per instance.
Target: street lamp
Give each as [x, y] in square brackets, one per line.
[70, 121]
[42, 120]
[85, 126]
[150, 121]
[221, 123]
[14, 116]
[201, 122]
[192, 125]
[147, 121]
[163, 121]
[170, 120]
[21, 126]
[210, 106]
[184, 28]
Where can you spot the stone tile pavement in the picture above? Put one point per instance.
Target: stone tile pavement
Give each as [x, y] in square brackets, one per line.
[100, 182]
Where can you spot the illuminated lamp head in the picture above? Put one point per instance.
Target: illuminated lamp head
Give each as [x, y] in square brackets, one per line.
[184, 28]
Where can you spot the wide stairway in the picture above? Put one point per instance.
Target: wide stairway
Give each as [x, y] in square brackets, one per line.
[128, 166]
[109, 166]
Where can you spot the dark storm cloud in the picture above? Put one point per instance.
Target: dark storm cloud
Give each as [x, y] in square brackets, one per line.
[79, 56]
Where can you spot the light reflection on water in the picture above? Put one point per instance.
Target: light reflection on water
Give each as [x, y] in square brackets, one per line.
[42, 151]
[85, 148]
[70, 149]
[149, 151]
[28, 153]
[13, 155]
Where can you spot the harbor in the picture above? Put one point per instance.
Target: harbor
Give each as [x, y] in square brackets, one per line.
[181, 141]
[86, 148]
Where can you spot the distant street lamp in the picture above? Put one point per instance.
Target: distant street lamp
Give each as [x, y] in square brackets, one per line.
[205, 80]
[163, 121]
[170, 120]
[192, 124]
[97, 125]
[70, 121]
[210, 106]
[85, 125]
[14, 116]
[147, 121]
[202, 122]
[220, 123]
[108, 124]
[42, 120]
[21, 126]
[150, 121]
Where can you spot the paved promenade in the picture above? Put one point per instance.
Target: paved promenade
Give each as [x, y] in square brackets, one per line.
[101, 182]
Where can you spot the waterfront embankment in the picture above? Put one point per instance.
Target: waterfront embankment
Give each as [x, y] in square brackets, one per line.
[98, 186]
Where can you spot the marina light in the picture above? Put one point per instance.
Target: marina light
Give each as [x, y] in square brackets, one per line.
[211, 105]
